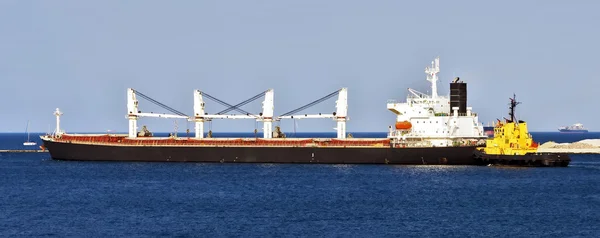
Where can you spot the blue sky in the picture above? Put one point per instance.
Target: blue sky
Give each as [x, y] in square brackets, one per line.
[82, 55]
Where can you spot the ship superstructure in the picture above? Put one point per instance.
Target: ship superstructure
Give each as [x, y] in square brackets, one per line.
[435, 119]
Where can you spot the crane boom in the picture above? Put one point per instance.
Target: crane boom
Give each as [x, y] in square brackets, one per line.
[160, 115]
[200, 116]
[243, 103]
[340, 115]
[306, 116]
[133, 111]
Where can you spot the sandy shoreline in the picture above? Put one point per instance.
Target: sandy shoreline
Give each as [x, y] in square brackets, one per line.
[589, 146]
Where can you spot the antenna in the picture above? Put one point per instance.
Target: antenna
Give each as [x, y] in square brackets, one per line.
[513, 104]
[432, 75]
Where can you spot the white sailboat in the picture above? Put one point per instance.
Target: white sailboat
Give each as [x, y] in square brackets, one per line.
[28, 142]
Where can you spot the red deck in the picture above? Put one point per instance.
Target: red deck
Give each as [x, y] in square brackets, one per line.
[184, 141]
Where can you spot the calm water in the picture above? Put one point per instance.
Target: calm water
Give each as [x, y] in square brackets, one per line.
[41, 197]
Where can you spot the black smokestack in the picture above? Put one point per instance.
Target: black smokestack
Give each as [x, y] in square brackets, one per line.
[458, 95]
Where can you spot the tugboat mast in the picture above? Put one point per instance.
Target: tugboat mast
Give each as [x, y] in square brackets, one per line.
[513, 104]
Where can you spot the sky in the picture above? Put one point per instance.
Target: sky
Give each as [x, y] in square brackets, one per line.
[81, 56]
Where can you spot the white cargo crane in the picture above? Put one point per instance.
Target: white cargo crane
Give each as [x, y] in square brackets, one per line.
[200, 116]
[133, 112]
[340, 115]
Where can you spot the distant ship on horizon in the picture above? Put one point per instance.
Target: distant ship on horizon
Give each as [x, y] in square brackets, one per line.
[575, 128]
[488, 131]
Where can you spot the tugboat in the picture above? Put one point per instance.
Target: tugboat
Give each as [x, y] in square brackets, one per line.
[513, 145]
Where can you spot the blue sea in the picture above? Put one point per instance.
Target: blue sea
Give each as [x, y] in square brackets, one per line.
[43, 197]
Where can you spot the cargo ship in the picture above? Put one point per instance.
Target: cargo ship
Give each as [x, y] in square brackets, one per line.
[429, 129]
[575, 128]
[513, 145]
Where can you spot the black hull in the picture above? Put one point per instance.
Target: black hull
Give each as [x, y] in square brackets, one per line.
[318, 155]
[527, 160]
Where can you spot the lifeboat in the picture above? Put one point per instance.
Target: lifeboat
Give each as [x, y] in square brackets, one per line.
[403, 125]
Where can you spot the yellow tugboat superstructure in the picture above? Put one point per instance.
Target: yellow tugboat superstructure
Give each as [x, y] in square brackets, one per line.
[511, 137]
